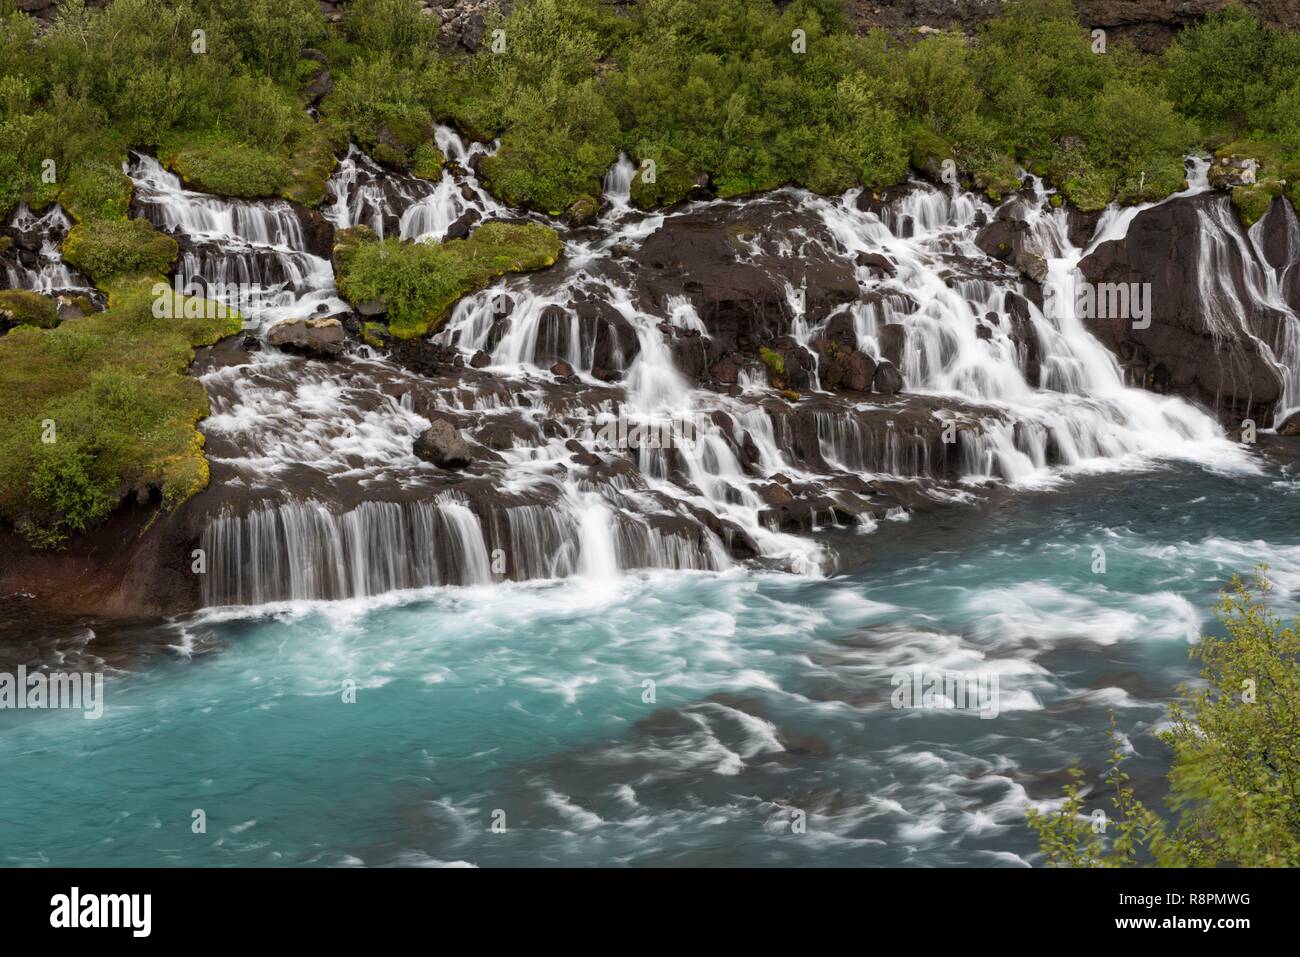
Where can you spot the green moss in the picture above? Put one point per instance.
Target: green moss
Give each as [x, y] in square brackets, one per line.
[673, 177]
[996, 176]
[929, 151]
[312, 158]
[1089, 189]
[1252, 202]
[396, 137]
[418, 283]
[428, 161]
[375, 335]
[215, 163]
[108, 248]
[92, 410]
[775, 364]
[24, 307]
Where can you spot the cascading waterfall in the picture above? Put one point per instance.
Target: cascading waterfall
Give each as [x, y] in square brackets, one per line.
[347, 510]
[38, 263]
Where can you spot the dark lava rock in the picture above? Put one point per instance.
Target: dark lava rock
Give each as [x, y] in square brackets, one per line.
[887, 379]
[442, 444]
[727, 263]
[460, 229]
[1188, 348]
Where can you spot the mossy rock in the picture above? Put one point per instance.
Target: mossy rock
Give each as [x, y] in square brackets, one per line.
[1090, 189]
[213, 163]
[674, 179]
[375, 335]
[312, 159]
[775, 364]
[108, 248]
[428, 162]
[1252, 202]
[997, 177]
[418, 283]
[394, 140]
[26, 308]
[929, 153]
[582, 212]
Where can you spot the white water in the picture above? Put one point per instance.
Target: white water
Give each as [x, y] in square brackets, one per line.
[324, 446]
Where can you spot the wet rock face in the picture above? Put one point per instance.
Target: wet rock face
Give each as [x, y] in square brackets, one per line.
[1206, 312]
[1008, 238]
[725, 262]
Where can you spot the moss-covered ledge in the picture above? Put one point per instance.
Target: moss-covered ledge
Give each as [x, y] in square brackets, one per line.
[415, 284]
[103, 407]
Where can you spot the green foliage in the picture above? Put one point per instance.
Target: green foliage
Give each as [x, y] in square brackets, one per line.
[107, 248]
[419, 282]
[112, 393]
[1236, 761]
[428, 161]
[1228, 71]
[775, 364]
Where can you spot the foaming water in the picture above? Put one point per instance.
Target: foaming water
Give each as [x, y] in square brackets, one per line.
[665, 718]
[333, 503]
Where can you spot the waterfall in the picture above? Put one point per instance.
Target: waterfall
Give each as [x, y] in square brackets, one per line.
[343, 508]
[301, 550]
[36, 262]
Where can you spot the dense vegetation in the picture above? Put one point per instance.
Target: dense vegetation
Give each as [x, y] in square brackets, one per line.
[99, 408]
[738, 92]
[751, 97]
[733, 95]
[1235, 780]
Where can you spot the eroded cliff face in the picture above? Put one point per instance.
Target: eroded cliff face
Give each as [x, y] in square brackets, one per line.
[1150, 24]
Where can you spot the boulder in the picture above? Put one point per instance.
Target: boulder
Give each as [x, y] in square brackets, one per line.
[321, 338]
[1008, 238]
[893, 339]
[729, 263]
[442, 444]
[887, 379]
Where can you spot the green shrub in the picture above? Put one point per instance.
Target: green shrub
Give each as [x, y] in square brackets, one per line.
[1236, 765]
[24, 307]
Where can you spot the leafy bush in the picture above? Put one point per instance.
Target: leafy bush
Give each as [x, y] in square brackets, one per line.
[1236, 764]
[111, 395]
[24, 307]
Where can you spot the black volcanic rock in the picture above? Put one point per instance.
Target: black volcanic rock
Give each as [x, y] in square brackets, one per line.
[1203, 345]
